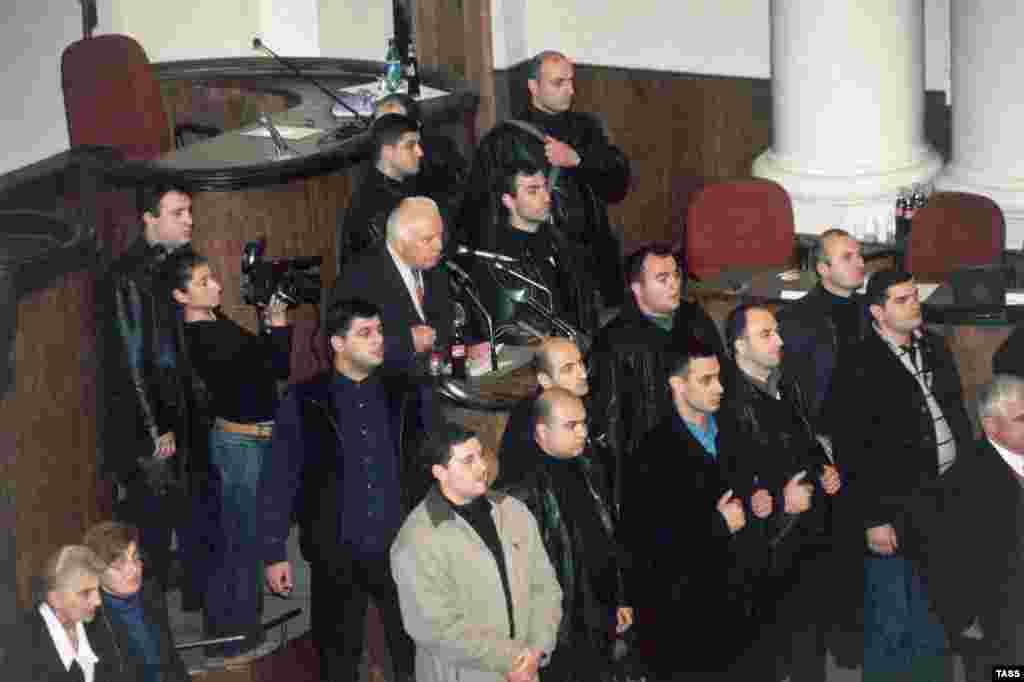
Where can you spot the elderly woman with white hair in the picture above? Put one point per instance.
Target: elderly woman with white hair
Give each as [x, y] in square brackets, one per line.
[50, 641]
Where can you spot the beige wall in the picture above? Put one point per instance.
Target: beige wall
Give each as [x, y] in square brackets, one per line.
[725, 37]
[184, 29]
[194, 29]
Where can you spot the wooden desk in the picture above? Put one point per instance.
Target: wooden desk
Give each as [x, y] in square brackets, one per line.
[486, 405]
[241, 192]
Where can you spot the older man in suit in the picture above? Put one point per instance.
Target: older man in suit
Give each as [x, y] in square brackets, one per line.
[975, 567]
[400, 276]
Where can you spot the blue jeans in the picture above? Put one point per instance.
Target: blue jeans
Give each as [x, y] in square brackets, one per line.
[235, 588]
[901, 633]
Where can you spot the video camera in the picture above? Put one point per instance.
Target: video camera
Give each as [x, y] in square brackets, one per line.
[294, 280]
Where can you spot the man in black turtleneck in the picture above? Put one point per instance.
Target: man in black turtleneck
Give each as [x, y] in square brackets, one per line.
[586, 171]
[819, 330]
[567, 491]
[396, 161]
[819, 327]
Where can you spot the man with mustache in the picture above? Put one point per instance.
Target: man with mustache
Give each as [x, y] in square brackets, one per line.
[337, 464]
[478, 593]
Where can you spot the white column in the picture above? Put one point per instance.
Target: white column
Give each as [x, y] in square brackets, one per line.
[848, 107]
[988, 108]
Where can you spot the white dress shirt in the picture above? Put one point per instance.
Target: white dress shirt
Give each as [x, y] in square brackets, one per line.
[1015, 461]
[85, 656]
[413, 280]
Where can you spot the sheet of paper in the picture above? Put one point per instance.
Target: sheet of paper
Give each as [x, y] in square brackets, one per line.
[361, 98]
[287, 132]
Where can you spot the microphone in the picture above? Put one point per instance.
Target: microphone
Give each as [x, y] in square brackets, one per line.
[280, 146]
[485, 255]
[466, 282]
[257, 44]
[454, 268]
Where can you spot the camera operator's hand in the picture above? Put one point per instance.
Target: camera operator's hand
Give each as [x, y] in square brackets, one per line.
[276, 312]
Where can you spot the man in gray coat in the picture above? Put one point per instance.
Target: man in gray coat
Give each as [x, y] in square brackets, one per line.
[477, 592]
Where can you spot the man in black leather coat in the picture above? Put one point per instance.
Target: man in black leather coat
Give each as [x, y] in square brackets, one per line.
[630, 360]
[146, 438]
[586, 171]
[566, 490]
[679, 467]
[770, 443]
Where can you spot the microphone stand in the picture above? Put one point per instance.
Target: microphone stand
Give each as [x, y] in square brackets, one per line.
[523, 278]
[582, 340]
[467, 287]
[281, 147]
[257, 44]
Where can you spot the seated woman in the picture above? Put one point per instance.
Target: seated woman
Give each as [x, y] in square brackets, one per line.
[133, 610]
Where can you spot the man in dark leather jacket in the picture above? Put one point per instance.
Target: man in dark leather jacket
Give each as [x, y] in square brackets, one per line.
[586, 171]
[145, 429]
[567, 492]
[543, 254]
[769, 442]
[630, 359]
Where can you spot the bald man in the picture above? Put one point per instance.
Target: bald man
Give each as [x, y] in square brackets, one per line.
[819, 327]
[557, 363]
[588, 172]
[568, 494]
[400, 275]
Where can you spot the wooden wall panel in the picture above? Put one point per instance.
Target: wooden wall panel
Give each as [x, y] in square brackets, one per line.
[50, 419]
[298, 218]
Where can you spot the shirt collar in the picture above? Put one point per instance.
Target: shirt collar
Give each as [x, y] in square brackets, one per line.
[85, 654]
[1015, 461]
[915, 338]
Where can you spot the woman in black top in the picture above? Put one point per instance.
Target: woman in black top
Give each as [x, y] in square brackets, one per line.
[238, 371]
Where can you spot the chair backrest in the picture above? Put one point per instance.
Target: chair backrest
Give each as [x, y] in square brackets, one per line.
[953, 229]
[112, 98]
[739, 223]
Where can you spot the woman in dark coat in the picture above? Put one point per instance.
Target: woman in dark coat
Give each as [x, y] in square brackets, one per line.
[134, 611]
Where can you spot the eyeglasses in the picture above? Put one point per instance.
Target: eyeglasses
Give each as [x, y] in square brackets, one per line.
[572, 425]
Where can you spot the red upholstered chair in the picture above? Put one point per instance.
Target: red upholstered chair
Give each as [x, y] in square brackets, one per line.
[112, 98]
[739, 224]
[954, 229]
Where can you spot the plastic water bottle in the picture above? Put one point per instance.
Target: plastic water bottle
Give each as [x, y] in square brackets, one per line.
[393, 67]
